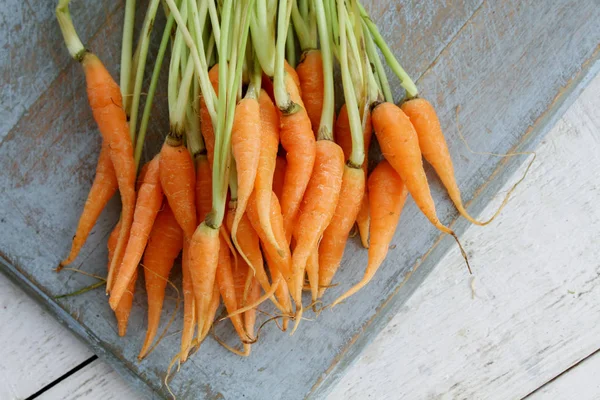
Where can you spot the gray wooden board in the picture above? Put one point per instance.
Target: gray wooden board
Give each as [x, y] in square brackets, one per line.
[511, 65]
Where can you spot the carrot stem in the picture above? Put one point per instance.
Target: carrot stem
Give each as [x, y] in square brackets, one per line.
[327, 115]
[74, 46]
[214, 18]
[376, 60]
[357, 155]
[126, 50]
[141, 65]
[282, 97]
[405, 81]
[152, 89]
[263, 40]
[301, 28]
[290, 47]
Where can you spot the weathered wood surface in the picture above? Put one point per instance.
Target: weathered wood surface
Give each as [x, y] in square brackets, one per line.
[34, 349]
[410, 342]
[511, 65]
[535, 304]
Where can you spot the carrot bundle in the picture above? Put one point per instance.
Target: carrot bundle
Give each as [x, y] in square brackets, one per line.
[257, 184]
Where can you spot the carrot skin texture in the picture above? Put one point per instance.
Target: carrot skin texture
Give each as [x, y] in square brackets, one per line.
[106, 103]
[318, 207]
[123, 310]
[435, 149]
[312, 271]
[204, 259]
[310, 73]
[269, 142]
[331, 248]
[203, 187]
[189, 303]
[178, 179]
[281, 261]
[387, 194]
[164, 244]
[245, 143]
[148, 204]
[400, 146]
[343, 137]
[298, 140]
[226, 284]
[279, 176]
[206, 127]
[104, 187]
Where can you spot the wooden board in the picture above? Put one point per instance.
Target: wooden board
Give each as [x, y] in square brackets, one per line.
[513, 91]
[532, 309]
[509, 340]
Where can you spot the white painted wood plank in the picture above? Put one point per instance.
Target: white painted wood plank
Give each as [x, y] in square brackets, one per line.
[34, 348]
[536, 301]
[96, 381]
[581, 383]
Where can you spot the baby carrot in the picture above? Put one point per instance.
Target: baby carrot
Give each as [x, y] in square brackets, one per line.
[388, 194]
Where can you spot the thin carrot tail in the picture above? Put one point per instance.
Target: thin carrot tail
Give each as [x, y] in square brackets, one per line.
[312, 270]
[450, 232]
[363, 221]
[124, 308]
[258, 302]
[354, 289]
[189, 306]
[263, 207]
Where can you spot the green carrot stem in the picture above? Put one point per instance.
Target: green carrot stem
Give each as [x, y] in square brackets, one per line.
[282, 97]
[405, 81]
[199, 61]
[214, 18]
[290, 47]
[303, 8]
[326, 123]
[263, 40]
[376, 61]
[301, 28]
[126, 47]
[357, 155]
[255, 80]
[141, 66]
[74, 45]
[152, 89]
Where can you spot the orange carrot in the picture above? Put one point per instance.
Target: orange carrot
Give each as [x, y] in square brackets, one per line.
[282, 293]
[248, 243]
[387, 194]
[343, 137]
[104, 187]
[227, 289]
[203, 261]
[206, 127]
[203, 187]
[281, 261]
[435, 150]
[124, 309]
[148, 204]
[212, 311]
[250, 315]
[177, 177]
[279, 176]
[331, 248]
[189, 304]
[312, 271]
[317, 209]
[269, 143]
[164, 245]
[246, 144]
[310, 72]
[400, 145]
[106, 103]
[298, 140]
[247, 291]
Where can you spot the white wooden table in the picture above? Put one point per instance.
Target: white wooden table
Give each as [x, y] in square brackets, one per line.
[526, 324]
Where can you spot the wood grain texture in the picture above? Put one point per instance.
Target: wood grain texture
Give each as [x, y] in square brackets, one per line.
[535, 302]
[96, 381]
[467, 57]
[580, 382]
[35, 349]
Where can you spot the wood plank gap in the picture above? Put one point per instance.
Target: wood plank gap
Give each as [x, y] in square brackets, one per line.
[597, 351]
[62, 378]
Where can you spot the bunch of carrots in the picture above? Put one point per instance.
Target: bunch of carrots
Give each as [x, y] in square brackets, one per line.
[259, 182]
